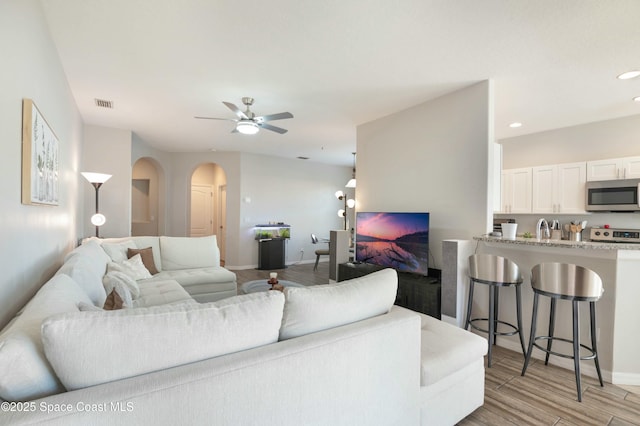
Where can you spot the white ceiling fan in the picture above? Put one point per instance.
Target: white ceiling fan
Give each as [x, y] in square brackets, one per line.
[248, 123]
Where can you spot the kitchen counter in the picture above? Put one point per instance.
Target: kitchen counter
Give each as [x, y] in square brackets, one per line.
[585, 245]
[618, 264]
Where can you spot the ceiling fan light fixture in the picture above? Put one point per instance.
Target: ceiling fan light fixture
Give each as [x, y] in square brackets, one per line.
[629, 75]
[247, 127]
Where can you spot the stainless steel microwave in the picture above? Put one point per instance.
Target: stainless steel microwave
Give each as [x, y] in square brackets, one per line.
[613, 195]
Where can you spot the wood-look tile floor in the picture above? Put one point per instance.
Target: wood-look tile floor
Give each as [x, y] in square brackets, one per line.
[300, 273]
[545, 396]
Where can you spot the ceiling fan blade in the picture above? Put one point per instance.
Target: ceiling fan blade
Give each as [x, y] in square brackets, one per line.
[271, 117]
[215, 118]
[236, 110]
[273, 128]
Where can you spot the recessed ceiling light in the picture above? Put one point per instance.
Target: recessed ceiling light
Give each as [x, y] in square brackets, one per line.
[515, 125]
[302, 158]
[637, 99]
[628, 75]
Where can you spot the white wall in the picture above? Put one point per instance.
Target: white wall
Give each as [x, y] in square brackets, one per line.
[34, 238]
[296, 192]
[592, 141]
[432, 157]
[259, 189]
[108, 151]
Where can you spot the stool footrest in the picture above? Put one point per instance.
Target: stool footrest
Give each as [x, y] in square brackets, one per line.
[497, 333]
[592, 354]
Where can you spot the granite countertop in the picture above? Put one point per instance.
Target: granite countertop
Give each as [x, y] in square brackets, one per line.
[586, 245]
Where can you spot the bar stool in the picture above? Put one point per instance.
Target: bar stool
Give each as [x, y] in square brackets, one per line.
[568, 282]
[496, 272]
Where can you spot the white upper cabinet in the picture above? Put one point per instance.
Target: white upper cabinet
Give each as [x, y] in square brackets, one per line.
[516, 191]
[559, 188]
[614, 168]
[572, 179]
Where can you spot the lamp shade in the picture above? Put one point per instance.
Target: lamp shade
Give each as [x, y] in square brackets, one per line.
[247, 127]
[96, 177]
[351, 183]
[339, 195]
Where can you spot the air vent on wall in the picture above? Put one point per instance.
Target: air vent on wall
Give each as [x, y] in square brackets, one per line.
[103, 104]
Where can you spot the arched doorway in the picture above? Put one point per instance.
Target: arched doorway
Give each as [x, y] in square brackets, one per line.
[209, 204]
[147, 181]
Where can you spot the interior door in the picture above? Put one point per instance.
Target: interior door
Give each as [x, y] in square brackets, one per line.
[222, 223]
[201, 210]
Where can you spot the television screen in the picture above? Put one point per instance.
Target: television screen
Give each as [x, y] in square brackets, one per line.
[395, 240]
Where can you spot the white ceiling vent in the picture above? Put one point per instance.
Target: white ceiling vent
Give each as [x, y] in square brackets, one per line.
[104, 104]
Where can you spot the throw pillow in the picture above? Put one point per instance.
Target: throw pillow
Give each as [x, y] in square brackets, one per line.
[156, 338]
[118, 251]
[316, 308]
[115, 280]
[132, 267]
[113, 302]
[147, 258]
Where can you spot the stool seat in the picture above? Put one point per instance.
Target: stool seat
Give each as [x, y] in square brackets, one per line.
[496, 272]
[563, 281]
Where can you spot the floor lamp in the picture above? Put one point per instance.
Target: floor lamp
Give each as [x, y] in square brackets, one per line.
[97, 179]
[350, 203]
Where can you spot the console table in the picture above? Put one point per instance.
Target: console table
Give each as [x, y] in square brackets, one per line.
[415, 292]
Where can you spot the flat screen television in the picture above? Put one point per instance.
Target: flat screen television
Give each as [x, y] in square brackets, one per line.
[394, 240]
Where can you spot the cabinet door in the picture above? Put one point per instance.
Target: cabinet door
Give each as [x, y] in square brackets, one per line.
[544, 188]
[631, 167]
[572, 178]
[519, 190]
[604, 169]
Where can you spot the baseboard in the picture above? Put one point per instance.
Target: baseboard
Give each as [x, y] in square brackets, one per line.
[630, 379]
[587, 368]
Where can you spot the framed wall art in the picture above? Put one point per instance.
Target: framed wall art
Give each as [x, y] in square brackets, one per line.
[40, 166]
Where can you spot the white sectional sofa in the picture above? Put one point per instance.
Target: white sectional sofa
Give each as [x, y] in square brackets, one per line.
[337, 354]
[193, 262]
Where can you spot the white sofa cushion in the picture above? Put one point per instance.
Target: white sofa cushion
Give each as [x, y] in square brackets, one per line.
[86, 264]
[117, 251]
[25, 373]
[86, 275]
[446, 349]
[189, 252]
[161, 292]
[140, 243]
[311, 309]
[89, 348]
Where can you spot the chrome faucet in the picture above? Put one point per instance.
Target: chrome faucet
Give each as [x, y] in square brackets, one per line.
[542, 230]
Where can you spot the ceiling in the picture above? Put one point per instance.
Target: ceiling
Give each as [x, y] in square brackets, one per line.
[335, 64]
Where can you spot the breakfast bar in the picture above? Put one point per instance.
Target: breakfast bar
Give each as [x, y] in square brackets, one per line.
[618, 314]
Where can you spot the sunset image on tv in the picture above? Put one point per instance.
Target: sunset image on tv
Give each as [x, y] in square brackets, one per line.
[394, 240]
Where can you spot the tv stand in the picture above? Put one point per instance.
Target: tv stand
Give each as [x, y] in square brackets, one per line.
[415, 292]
